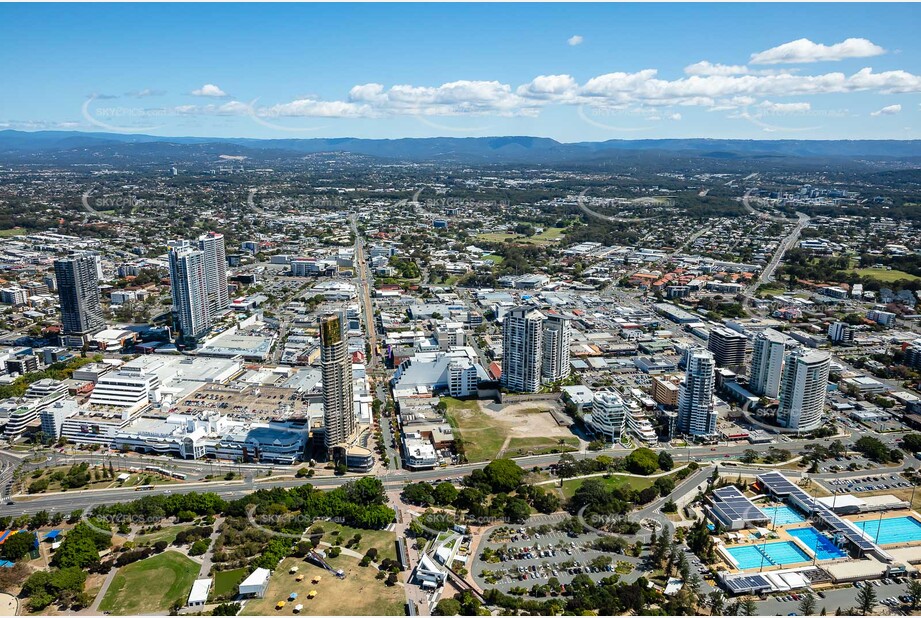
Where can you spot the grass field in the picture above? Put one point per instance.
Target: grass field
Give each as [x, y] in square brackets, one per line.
[15, 231]
[226, 582]
[495, 259]
[168, 533]
[359, 594]
[144, 478]
[549, 235]
[150, 586]
[881, 274]
[383, 540]
[539, 446]
[522, 426]
[769, 290]
[482, 437]
[631, 482]
[497, 236]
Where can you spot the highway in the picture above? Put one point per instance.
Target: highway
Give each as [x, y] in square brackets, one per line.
[767, 274]
[85, 499]
[365, 285]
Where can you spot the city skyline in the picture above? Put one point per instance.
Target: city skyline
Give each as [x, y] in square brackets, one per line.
[575, 73]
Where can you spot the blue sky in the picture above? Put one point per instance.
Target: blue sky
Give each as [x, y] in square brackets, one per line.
[573, 72]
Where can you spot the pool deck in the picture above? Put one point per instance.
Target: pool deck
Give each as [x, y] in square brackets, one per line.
[889, 515]
[780, 534]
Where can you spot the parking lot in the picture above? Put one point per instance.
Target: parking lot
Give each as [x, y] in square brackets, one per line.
[887, 593]
[523, 560]
[871, 482]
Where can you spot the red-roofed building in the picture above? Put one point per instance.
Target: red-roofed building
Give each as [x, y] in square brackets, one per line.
[495, 370]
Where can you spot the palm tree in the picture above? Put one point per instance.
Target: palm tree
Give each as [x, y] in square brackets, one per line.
[807, 605]
[716, 602]
[748, 608]
[866, 599]
[914, 591]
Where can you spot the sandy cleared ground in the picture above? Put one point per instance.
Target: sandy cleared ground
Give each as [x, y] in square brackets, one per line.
[527, 419]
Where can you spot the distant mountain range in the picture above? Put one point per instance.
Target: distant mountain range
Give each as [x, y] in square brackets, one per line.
[73, 145]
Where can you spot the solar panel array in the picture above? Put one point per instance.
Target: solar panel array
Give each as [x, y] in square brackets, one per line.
[732, 505]
[781, 485]
[739, 584]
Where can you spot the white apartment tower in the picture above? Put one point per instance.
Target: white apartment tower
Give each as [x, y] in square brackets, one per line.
[336, 367]
[802, 391]
[522, 349]
[696, 414]
[190, 296]
[767, 363]
[215, 266]
[557, 337]
[608, 416]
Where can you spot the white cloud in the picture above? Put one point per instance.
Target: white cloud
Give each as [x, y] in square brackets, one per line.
[549, 86]
[209, 90]
[574, 40]
[675, 116]
[718, 90]
[804, 50]
[317, 109]
[146, 92]
[889, 110]
[784, 108]
[707, 68]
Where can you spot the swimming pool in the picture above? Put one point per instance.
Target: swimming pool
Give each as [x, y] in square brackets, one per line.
[768, 554]
[782, 515]
[891, 530]
[823, 547]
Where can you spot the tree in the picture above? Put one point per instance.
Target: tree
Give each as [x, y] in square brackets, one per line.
[517, 510]
[18, 545]
[445, 494]
[199, 547]
[748, 607]
[716, 601]
[448, 607]
[807, 604]
[226, 609]
[866, 599]
[420, 494]
[503, 475]
[666, 462]
[749, 456]
[914, 591]
[642, 461]
[566, 467]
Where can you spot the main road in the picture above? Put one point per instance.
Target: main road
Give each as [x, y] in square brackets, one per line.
[86, 499]
[767, 274]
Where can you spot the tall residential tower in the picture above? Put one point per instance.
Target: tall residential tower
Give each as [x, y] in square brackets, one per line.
[696, 414]
[802, 390]
[190, 296]
[215, 268]
[78, 291]
[336, 366]
[522, 349]
[767, 363]
[557, 337]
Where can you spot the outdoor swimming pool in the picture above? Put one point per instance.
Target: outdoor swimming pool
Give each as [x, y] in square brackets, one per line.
[782, 515]
[892, 530]
[823, 547]
[768, 554]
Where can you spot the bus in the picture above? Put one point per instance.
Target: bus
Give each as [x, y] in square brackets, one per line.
[143, 488]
